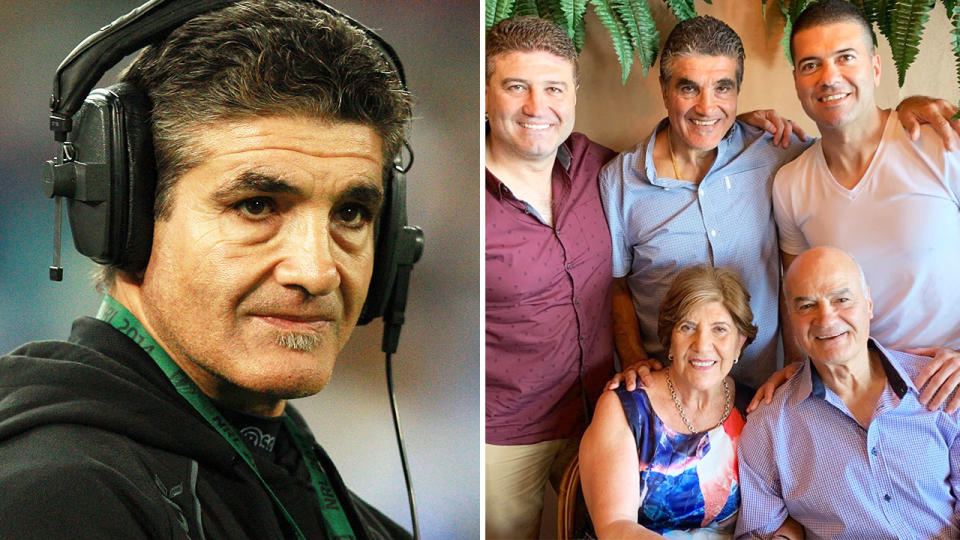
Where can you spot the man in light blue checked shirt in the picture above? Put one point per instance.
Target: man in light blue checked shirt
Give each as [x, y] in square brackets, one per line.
[846, 448]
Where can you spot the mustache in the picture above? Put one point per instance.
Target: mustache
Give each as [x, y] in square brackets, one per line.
[298, 341]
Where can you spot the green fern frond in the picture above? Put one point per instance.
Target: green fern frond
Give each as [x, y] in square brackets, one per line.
[791, 10]
[951, 7]
[906, 26]
[953, 11]
[641, 28]
[580, 33]
[682, 9]
[874, 13]
[787, 28]
[618, 35]
[497, 10]
[526, 7]
[883, 10]
[551, 10]
[797, 6]
[573, 11]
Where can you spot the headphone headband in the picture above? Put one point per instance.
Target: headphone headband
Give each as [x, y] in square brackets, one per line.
[83, 67]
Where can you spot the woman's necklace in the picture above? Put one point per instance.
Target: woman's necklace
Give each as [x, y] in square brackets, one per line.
[673, 158]
[683, 415]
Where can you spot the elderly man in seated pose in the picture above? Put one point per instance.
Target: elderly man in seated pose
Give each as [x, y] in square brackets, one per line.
[867, 188]
[839, 448]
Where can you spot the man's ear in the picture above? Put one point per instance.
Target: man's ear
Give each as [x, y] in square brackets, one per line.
[876, 70]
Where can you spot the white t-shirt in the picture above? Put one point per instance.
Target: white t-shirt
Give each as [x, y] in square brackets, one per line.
[902, 224]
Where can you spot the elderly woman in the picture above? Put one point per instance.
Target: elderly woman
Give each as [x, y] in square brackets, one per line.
[661, 461]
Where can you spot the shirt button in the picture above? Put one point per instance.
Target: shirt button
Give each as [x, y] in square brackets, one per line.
[576, 302]
[874, 451]
[580, 338]
[700, 191]
[569, 267]
[713, 232]
[887, 497]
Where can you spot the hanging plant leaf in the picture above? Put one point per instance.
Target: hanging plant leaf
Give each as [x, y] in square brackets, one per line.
[953, 11]
[682, 9]
[618, 35]
[642, 30]
[787, 29]
[951, 7]
[552, 10]
[883, 10]
[791, 9]
[526, 7]
[906, 26]
[874, 13]
[573, 11]
[497, 10]
[579, 33]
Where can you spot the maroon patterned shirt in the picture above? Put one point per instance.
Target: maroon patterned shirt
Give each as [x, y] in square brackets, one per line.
[549, 337]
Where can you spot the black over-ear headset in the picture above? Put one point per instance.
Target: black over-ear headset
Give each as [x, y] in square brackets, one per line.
[107, 170]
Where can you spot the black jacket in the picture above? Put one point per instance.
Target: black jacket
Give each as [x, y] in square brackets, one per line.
[96, 443]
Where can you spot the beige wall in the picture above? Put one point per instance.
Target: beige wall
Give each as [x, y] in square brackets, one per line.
[619, 116]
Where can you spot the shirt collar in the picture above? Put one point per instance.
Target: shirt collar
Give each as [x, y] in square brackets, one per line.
[650, 171]
[811, 385]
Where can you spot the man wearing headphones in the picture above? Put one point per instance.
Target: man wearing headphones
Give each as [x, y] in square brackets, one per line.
[272, 126]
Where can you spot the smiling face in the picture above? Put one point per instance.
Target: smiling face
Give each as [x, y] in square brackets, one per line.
[701, 99]
[258, 276]
[836, 73]
[704, 343]
[828, 307]
[530, 100]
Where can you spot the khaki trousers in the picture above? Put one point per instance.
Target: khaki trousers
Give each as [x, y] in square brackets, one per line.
[516, 477]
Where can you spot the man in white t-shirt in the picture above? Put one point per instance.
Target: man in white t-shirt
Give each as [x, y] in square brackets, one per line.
[867, 188]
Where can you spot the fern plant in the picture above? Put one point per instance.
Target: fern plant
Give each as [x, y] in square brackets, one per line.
[629, 22]
[635, 37]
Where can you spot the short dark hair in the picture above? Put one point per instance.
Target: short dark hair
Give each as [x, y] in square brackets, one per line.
[529, 34]
[831, 12]
[696, 285]
[258, 59]
[701, 36]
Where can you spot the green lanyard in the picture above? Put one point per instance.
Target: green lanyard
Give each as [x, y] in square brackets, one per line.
[335, 519]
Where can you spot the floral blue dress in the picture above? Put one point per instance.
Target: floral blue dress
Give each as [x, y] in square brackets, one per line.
[689, 483]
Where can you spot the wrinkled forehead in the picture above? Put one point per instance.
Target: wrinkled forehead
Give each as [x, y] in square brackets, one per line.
[822, 278]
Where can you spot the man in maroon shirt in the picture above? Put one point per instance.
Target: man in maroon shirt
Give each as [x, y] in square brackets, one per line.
[549, 342]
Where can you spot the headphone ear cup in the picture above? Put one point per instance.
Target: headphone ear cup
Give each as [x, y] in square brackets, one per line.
[392, 218]
[111, 210]
[135, 223]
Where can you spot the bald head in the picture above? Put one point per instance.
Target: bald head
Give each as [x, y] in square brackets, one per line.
[823, 261]
[829, 306]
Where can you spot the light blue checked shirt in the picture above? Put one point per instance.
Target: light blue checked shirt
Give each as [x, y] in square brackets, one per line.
[661, 225]
[805, 455]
